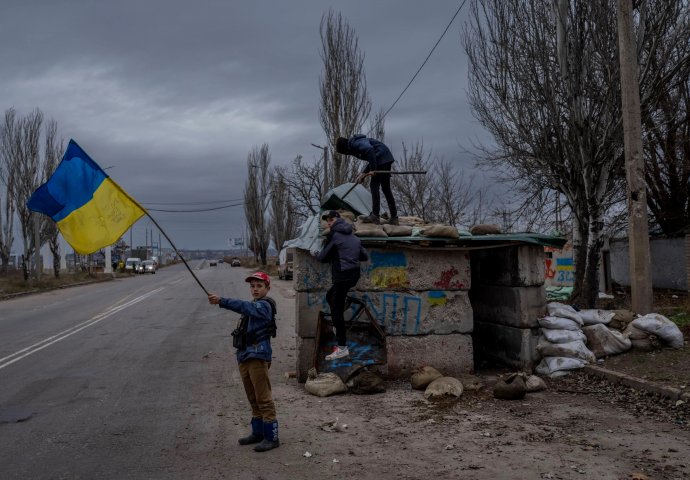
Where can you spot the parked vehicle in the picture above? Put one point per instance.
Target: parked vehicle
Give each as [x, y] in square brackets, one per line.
[235, 262]
[132, 264]
[213, 263]
[285, 263]
[148, 266]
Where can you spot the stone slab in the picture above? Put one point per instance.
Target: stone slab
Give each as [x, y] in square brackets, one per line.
[516, 347]
[451, 354]
[304, 357]
[515, 266]
[399, 313]
[671, 393]
[388, 269]
[518, 307]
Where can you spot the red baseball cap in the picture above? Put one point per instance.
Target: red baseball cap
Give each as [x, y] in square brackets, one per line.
[259, 276]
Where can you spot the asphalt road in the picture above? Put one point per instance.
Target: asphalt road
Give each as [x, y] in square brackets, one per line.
[110, 380]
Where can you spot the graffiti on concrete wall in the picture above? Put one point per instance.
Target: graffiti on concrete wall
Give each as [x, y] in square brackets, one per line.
[448, 280]
[559, 267]
[398, 313]
[389, 270]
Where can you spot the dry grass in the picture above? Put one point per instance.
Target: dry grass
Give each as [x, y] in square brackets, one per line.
[13, 282]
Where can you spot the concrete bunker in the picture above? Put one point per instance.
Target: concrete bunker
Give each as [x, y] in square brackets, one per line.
[442, 302]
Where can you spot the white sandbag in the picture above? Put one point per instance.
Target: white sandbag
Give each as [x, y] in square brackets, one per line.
[534, 384]
[576, 349]
[603, 341]
[441, 231]
[559, 323]
[662, 327]
[557, 309]
[369, 230]
[558, 366]
[444, 387]
[422, 376]
[325, 384]
[562, 336]
[595, 316]
[640, 339]
[398, 230]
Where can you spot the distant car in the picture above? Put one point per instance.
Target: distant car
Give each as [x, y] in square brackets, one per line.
[148, 266]
[235, 262]
[220, 261]
[212, 263]
[133, 264]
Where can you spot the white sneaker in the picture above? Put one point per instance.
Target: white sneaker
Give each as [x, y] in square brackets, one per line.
[338, 353]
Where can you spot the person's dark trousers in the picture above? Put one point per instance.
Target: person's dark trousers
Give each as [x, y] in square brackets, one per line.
[335, 297]
[382, 182]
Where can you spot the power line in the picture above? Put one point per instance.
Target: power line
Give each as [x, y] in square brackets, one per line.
[425, 60]
[197, 210]
[192, 203]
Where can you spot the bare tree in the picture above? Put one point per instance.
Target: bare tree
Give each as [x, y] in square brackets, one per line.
[345, 103]
[257, 200]
[23, 164]
[283, 223]
[415, 194]
[454, 193]
[7, 154]
[304, 181]
[544, 81]
[49, 231]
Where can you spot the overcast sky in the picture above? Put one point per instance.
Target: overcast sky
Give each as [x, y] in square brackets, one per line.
[172, 95]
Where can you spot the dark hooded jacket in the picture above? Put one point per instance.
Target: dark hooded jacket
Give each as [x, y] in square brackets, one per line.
[374, 152]
[344, 251]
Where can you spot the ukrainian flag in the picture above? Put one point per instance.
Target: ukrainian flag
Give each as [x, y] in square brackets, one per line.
[90, 209]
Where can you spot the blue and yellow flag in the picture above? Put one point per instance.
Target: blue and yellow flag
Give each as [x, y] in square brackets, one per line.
[90, 209]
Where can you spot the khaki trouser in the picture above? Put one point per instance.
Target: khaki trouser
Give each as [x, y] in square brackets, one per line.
[257, 385]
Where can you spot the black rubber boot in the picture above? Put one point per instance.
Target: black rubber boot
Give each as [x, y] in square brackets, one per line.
[371, 219]
[270, 440]
[257, 433]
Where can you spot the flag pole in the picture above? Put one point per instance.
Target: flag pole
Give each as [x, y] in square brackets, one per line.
[176, 251]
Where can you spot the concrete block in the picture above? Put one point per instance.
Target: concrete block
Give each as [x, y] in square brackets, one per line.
[305, 357]
[415, 269]
[450, 354]
[399, 313]
[392, 269]
[517, 266]
[518, 307]
[310, 275]
[516, 347]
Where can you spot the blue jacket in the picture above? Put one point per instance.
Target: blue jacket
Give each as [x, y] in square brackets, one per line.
[260, 315]
[371, 150]
[343, 250]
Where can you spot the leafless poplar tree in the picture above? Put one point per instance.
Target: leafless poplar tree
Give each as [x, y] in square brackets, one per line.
[414, 194]
[345, 103]
[283, 224]
[23, 164]
[256, 200]
[544, 81]
[7, 154]
[49, 231]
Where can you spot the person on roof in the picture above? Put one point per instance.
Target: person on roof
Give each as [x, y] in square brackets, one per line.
[379, 158]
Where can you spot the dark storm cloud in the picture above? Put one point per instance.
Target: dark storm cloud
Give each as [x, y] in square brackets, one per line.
[174, 94]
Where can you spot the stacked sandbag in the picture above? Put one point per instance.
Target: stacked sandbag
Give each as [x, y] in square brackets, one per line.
[368, 229]
[604, 341]
[397, 230]
[562, 344]
[440, 231]
[664, 329]
[640, 339]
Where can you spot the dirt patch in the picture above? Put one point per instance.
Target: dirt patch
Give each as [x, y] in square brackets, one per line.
[667, 366]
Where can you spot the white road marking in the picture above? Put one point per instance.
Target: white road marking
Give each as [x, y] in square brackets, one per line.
[25, 352]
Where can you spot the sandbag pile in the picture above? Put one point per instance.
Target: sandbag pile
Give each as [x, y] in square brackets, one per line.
[562, 344]
[570, 338]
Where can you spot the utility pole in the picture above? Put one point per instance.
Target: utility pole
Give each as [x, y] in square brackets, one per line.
[325, 167]
[638, 225]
